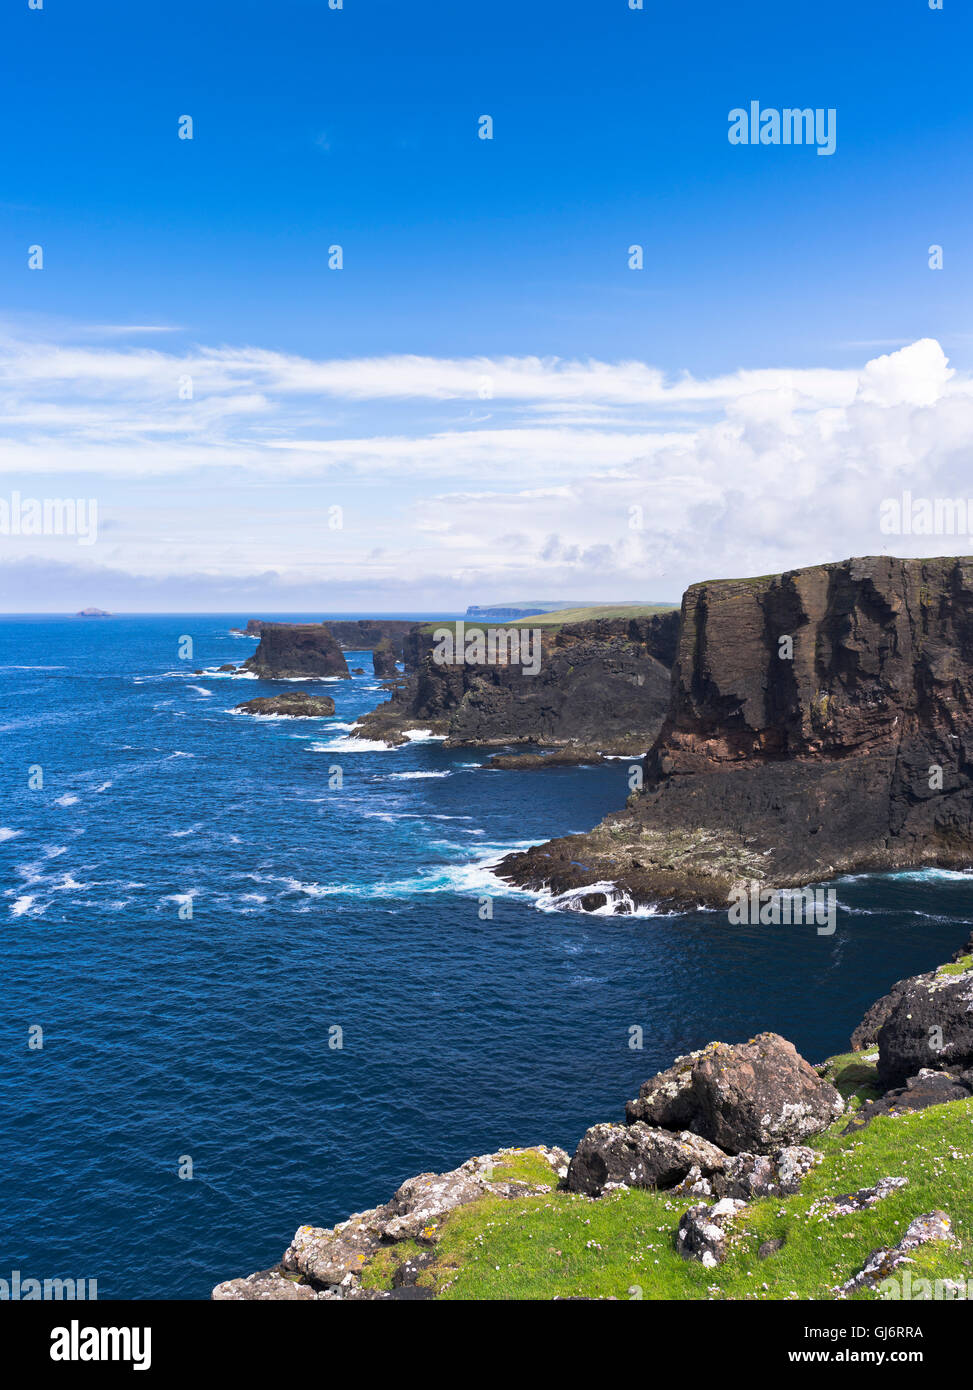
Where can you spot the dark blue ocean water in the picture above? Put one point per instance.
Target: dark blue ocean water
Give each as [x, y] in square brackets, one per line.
[315, 907]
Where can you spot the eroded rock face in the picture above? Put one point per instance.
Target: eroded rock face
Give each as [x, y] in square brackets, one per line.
[638, 1156]
[808, 711]
[384, 658]
[602, 684]
[757, 1097]
[930, 1026]
[294, 704]
[289, 651]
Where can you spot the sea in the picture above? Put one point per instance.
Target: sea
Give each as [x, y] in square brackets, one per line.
[256, 972]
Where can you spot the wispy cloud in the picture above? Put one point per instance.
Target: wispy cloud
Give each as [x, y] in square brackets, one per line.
[573, 477]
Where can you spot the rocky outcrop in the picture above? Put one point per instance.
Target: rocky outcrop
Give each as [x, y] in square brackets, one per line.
[293, 704]
[930, 1025]
[821, 722]
[354, 634]
[330, 1260]
[385, 655]
[293, 651]
[702, 1231]
[926, 1088]
[602, 684]
[638, 1156]
[756, 1097]
[575, 755]
[932, 1225]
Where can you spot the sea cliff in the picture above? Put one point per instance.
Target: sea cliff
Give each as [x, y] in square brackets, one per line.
[819, 722]
[600, 685]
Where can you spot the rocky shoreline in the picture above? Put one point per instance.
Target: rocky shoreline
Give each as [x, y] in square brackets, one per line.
[719, 1131]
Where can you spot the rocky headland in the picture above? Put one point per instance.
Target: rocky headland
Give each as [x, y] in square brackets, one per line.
[600, 686]
[819, 722]
[736, 1159]
[293, 651]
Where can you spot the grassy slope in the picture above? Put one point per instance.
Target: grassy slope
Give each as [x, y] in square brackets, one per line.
[565, 615]
[622, 1245]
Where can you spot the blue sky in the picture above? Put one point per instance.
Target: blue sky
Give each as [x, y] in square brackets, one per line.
[473, 472]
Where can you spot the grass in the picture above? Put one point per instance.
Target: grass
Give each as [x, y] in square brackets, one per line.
[957, 967]
[622, 1245]
[601, 610]
[561, 616]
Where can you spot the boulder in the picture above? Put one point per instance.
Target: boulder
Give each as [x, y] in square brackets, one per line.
[329, 1257]
[758, 1097]
[918, 1093]
[748, 1176]
[638, 1156]
[264, 1287]
[702, 1232]
[930, 1026]
[293, 704]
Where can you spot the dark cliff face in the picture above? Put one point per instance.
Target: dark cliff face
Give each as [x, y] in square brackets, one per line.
[357, 634]
[385, 654]
[880, 653]
[821, 721]
[602, 683]
[365, 634]
[288, 651]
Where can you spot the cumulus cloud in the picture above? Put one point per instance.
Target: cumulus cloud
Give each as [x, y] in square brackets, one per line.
[481, 477]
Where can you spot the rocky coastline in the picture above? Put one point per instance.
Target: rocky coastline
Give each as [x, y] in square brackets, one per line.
[601, 686]
[820, 722]
[724, 1142]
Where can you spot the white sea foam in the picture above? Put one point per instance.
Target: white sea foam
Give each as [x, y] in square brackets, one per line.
[617, 904]
[7, 834]
[21, 906]
[66, 800]
[348, 744]
[423, 736]
[415, 776]
[201, 690]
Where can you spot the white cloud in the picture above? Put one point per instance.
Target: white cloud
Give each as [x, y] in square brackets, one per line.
[532, 489]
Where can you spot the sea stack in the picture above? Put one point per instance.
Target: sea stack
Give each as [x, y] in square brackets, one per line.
[294, 651]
